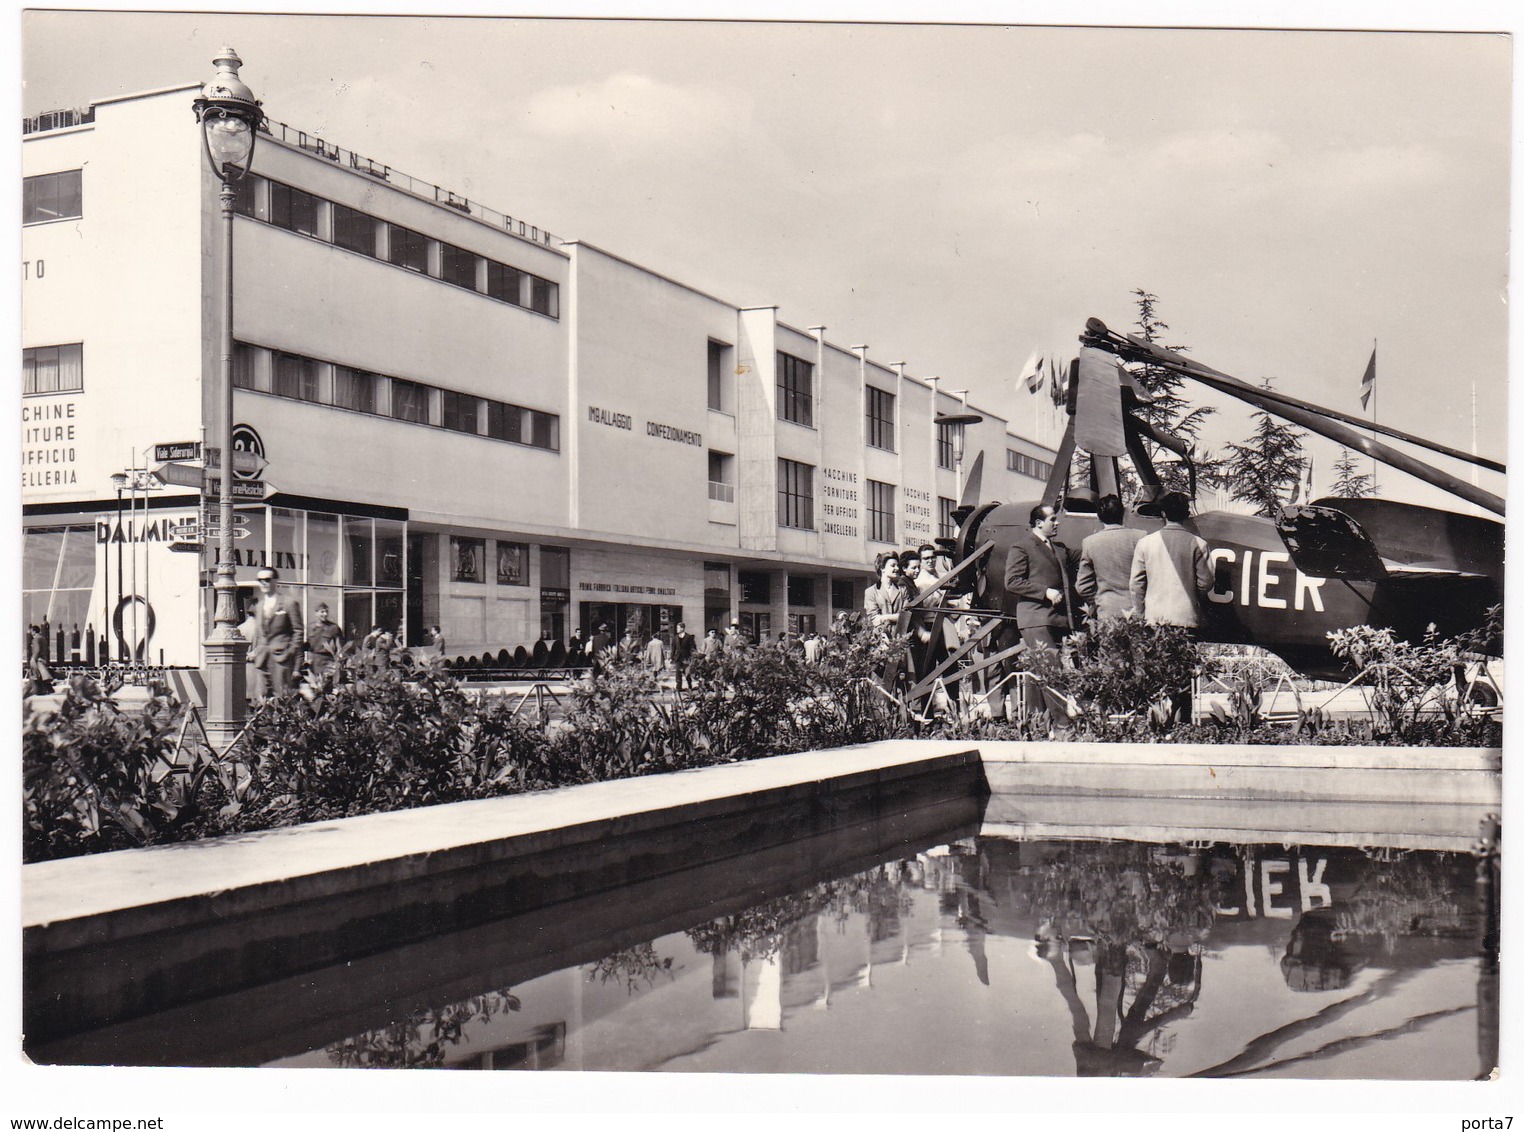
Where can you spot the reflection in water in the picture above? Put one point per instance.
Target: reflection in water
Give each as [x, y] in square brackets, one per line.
[1079, 957]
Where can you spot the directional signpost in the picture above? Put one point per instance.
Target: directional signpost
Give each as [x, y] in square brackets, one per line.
[244, 463]
[181, 450]
[182, 475]
[242, 489]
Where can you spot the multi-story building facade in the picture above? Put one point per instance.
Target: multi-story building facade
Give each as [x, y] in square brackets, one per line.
[466, 421]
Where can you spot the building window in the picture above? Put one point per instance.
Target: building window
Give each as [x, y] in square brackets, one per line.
[354, 389]
[458, 266]
[461, 411]
[842, 596]
[880, 511]
[801, 591]
[946, 528]
[945, 446]
[512, 564]
[505, 283]
[466, 556]
[524, 426]
[555, 568]
[410, 401]
[796, 400]
[293, 209]
[880, 419]
[246, 197]
[721, 487]
[51, 196]
[544, 296]
[796, 495]
[296, 377]
[53, 369]
[354, 230]
[1022, 464]
[719, 358]
[755, 586]
[407, 248]
[243, 366]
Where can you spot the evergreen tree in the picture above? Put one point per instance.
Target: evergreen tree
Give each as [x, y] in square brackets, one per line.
[1349, 481]
[1263, 471]
[1170, 410]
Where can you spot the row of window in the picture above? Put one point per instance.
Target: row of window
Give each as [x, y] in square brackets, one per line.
[53, 369]
[52, 196]
[796, 503]
[1026, 465]
[299, 211]
[324, 383]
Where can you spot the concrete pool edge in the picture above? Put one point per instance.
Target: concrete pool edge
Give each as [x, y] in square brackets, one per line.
[56, 892]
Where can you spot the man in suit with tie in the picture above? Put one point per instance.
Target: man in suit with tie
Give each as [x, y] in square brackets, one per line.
[1039, 581]
[279, 638]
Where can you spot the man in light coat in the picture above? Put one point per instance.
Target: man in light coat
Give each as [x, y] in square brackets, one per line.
[1170, 570]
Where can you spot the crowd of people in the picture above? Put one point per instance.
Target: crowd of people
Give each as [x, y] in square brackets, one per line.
[1051, 589]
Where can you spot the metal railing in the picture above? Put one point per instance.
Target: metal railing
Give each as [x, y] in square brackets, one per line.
[300, 139]
[722, 492]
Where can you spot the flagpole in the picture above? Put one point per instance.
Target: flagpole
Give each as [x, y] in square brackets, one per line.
[1374, 401]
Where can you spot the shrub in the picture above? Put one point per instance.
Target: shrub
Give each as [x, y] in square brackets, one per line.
[376, 733]
[95, 777]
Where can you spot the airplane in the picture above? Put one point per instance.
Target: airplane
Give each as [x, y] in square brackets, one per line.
[1282, 584]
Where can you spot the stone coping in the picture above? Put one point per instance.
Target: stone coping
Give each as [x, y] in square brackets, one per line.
[53, 892]
[75, 888]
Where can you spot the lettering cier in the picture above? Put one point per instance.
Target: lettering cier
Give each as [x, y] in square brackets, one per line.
[1283, 584]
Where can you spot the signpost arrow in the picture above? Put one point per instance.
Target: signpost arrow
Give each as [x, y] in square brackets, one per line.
[244, 463]
[184, 475]
[242, 489]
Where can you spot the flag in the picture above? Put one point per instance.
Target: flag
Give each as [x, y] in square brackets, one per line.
[1031, 373]
[1058, 378]
[1368, 382]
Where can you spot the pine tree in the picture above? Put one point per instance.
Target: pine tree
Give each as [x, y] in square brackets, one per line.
[1349, 481]
[1170, 410]
[1263, 471]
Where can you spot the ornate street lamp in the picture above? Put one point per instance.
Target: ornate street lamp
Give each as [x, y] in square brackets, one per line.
[230, 118]
[118, 481]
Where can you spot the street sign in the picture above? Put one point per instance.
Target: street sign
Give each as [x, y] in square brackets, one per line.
[244, 463]
[242, 489]
[184, 475]
[216, 532]
[181, 450]
[185, 547]
[184, 530]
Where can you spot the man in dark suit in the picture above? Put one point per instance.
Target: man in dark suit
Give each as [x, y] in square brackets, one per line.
[1039, 582]
[279, 638]
[683, 645]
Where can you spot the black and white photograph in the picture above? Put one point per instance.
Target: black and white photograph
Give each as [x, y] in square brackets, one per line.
[760, 558]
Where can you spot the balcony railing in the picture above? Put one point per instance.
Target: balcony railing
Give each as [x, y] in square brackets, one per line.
[722, 492]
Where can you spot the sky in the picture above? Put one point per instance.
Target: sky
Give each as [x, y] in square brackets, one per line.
[953, 196]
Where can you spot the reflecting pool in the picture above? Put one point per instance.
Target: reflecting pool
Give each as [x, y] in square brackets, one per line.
[980, 954]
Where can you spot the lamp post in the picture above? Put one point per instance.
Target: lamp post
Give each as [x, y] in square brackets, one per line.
[958, 421]
[118, 481]
[230, 118]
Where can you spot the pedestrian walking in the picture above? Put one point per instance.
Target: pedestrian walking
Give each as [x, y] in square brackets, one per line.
[683, 648]
[279, 636]
[325, 640]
